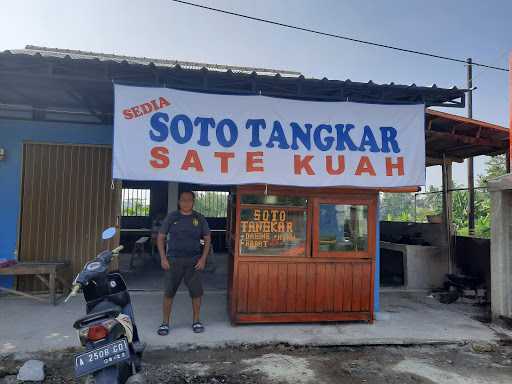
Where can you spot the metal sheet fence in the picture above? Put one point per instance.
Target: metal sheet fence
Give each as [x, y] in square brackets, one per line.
[67, 201]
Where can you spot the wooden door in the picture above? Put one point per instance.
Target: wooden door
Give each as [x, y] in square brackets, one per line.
[67, 200]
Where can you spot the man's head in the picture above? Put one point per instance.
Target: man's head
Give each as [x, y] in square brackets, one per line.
[186, 201]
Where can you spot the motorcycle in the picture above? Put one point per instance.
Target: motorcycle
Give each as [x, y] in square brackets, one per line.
[108, 332]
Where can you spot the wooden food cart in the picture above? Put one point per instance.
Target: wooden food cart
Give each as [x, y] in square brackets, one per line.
[301, 254]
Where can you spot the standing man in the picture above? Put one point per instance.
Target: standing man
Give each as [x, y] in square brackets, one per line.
[184, 259]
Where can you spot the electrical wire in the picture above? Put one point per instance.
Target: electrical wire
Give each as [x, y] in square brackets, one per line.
[338, 36]
[498, 60]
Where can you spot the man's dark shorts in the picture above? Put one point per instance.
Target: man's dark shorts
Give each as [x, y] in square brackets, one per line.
[183, 269]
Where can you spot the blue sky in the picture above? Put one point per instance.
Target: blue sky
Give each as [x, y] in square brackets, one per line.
[163, 29]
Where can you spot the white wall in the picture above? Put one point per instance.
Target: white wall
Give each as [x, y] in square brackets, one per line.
[501, 246]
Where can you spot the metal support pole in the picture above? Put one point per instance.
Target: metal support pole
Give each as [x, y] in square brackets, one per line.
[509, 158]
[415, 208]
[471, 170]
[447, 209]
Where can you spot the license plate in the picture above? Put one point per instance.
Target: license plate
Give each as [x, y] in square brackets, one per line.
[101, 357]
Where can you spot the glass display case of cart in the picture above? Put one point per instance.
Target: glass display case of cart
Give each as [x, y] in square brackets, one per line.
[343, 228]
[273, 225]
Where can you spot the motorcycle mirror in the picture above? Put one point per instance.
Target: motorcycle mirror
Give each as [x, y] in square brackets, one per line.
[108, 233]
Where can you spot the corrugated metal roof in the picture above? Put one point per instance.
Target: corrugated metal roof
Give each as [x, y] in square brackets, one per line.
[168, 63]
[59, 78]
[84, 55]
[62, 84]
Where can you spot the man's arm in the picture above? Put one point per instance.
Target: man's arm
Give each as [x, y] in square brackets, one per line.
[160, 243]
[201, 263]
[207, 242]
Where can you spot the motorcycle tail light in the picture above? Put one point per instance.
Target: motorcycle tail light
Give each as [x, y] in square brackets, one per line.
[97, 332]
[83, 333]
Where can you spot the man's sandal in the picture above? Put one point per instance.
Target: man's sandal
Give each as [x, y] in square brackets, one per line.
[197, 327]
[163, 330]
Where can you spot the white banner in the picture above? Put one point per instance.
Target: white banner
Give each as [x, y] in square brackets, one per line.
[170, 135]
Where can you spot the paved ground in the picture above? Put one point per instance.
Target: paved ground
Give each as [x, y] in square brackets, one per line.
[148, 276]
[462, 364]
[27, 326]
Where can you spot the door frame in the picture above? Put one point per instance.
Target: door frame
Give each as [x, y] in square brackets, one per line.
[367, 201]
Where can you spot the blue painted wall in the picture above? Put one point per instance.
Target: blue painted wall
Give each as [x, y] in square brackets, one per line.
[12, 135]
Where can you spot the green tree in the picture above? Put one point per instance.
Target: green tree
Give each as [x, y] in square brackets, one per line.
[494, 167]
[211, 203]
[430, 203]
[401, 206]
[460, 209]
[397, 206]
[136, 208]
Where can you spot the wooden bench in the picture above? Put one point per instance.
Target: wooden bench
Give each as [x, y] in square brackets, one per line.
[39, 270]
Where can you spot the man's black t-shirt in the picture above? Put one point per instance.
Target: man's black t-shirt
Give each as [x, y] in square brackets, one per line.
[185, 232]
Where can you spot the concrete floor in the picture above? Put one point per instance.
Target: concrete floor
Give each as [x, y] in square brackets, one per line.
[147, 274]
[28, 326]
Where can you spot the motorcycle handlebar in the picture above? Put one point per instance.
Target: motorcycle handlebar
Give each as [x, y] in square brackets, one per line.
[76, 285]
[118, 249]
[74, 291]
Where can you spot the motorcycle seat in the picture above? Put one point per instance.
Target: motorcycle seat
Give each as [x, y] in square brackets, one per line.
[97, 314]
[105, 305]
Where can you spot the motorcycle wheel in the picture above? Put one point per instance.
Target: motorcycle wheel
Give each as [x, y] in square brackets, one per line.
[121, 372]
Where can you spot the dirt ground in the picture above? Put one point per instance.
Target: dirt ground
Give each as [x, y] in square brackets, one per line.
[453, 364]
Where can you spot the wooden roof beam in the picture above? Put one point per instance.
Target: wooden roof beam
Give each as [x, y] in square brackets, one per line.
[438, 155]
[430, 161]
[466, 139]
[432, 114]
